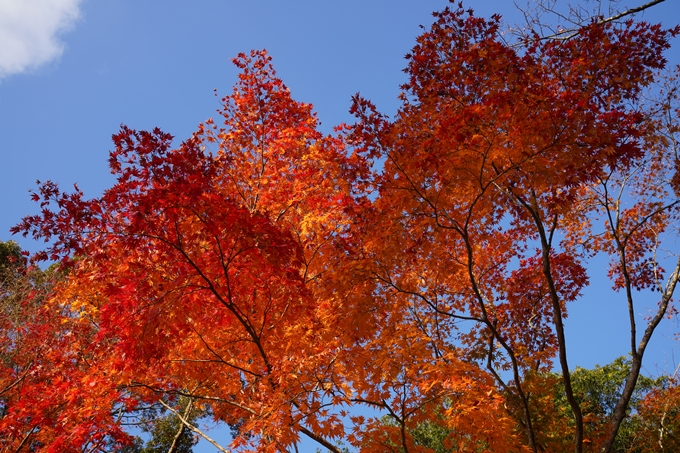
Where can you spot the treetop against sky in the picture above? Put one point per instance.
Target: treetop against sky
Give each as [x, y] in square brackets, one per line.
[500, 212]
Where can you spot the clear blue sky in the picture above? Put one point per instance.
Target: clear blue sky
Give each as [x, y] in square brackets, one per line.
[72, 71]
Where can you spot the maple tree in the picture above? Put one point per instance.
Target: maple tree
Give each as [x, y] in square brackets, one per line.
[497, 183]
[598, 391]
[236, 228]
[46, 395]
[280, 279]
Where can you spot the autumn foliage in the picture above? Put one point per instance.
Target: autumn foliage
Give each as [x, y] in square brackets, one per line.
[291, 283]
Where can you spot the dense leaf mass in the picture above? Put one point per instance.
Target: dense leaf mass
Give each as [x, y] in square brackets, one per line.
[284, 282]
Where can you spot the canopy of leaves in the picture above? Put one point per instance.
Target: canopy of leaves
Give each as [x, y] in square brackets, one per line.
[284, 281]
[598, 390]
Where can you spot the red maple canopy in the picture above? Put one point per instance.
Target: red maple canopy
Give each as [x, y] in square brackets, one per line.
[283, 279]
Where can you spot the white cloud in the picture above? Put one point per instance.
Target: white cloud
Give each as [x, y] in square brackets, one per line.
[30, 31]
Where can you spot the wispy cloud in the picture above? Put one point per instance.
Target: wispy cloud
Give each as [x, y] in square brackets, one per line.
[30, 32]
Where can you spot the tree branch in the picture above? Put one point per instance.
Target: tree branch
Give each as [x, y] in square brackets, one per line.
[193, 428]
[570, 33]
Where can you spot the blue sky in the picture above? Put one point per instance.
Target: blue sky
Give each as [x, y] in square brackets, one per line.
[72, 71]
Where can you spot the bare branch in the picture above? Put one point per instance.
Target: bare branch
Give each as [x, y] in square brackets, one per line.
[192, 427]
[569, 33]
